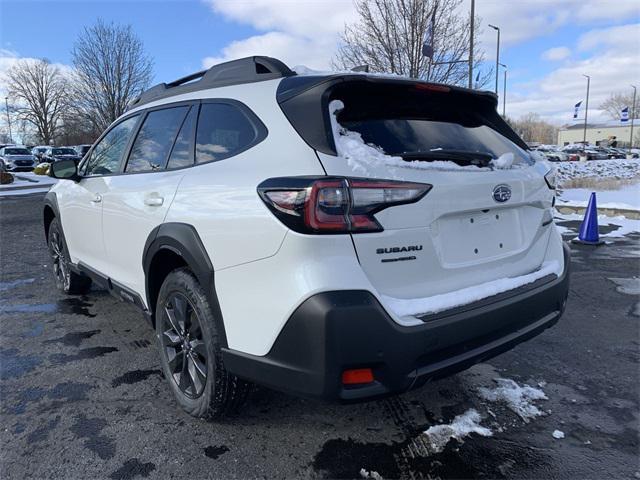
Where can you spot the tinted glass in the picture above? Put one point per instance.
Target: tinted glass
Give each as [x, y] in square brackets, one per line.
[399, 135]
[153, 143]
[16, 151]
[107, 155]
[223, 131]
[64, 151]
[181, 153]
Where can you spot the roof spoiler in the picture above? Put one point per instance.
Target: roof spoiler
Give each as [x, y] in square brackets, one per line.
[235, 72]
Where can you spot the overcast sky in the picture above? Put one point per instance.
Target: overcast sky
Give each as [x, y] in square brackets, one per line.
[547, 45]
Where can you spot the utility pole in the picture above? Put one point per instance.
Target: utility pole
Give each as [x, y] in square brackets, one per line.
[633, 114]
[504, 91]
[586, 111]
[473, 15]
[497, 29]
[6, 103]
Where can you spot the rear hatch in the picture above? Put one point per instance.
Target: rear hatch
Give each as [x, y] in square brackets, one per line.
[486, 217]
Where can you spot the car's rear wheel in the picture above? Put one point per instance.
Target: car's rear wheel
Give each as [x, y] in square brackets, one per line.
[190, 354]
[66, 279]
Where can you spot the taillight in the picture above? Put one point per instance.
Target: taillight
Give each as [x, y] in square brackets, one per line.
[335, 204]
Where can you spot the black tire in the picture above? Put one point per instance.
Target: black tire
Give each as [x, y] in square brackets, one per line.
[66, 280]
[188, 342]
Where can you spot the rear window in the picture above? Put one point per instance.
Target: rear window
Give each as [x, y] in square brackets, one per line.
[16, 151]
[409, 137]
[64, 151]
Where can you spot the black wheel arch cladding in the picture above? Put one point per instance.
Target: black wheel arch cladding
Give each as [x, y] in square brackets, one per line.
[181, 239]
[50, 211]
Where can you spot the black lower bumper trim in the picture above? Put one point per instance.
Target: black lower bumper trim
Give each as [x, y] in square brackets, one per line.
[339, 330]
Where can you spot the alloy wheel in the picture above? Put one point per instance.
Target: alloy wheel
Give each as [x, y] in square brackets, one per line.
[183, 345]
[60, 263]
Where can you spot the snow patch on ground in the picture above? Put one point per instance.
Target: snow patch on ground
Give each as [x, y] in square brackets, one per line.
[518, 399]
[360, 155]
[437, 303]
[461, 426]
[370, 474]
[597, 168]
[626, 197]
[625, 225]
[628, 286]
[558, 434]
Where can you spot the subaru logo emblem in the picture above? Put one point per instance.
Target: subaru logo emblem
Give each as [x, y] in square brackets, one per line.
[501, 193]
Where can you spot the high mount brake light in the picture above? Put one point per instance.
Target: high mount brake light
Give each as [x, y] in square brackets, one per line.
[431, 87]
[324, 205]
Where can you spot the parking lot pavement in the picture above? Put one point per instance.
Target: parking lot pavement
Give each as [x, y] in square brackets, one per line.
[82, 395]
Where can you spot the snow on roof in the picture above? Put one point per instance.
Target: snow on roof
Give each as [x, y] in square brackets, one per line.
[607, 124]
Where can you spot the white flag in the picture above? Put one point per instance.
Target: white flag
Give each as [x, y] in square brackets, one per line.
[624, 114]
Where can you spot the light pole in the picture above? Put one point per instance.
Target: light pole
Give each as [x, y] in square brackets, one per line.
[6, 103]
[586, 111]
[504, 91]
[473, 14]
[633, 114]
[497, 29]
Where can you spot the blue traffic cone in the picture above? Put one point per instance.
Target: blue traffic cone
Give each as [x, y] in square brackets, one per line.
[588, 233]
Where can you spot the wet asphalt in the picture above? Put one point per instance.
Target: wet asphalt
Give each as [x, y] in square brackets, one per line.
[82, 395]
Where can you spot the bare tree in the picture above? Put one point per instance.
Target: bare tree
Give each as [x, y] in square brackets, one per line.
[389, 34]
[616, 102]
[111, 69]
[39, 93]
[532, 128]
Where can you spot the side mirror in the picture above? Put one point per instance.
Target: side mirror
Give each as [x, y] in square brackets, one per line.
[65, 170]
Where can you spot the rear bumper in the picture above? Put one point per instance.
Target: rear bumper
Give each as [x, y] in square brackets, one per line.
[334, 331]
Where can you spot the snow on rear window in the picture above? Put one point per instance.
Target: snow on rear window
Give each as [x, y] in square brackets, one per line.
[359, 154]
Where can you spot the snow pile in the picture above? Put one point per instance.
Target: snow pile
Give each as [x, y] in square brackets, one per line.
[461, 426]
[628, 286]
[518, 398]
[360, 155]
[504, 161]
[557, 434]
[444, 301]
[618, 169]
[626, 197]
[370, 474]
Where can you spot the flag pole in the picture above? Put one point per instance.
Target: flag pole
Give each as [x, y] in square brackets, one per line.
[633, 114]
[586, 111]
[473, 14]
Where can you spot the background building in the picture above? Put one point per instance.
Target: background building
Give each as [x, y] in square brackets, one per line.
[600, 132]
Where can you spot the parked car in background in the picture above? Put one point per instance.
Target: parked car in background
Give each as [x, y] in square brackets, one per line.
[82, 149]
[552, 154]
[39, 151]
[577, 151]
[53, 154]
[16, 159]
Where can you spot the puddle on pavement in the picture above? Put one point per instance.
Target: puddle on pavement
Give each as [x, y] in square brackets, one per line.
[134, 376]
[67, 306]
[90, 429]
[41, 433]
[83, 354]
[15, 283]
[67, 391]
[133, 468]
[13, 365]
[214, 452]
[475, 458]
[73, 339]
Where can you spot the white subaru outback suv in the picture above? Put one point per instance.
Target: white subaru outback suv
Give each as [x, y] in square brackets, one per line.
[342, 236]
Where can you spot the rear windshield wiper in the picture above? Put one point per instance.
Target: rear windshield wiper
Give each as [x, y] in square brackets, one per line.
[461, 157]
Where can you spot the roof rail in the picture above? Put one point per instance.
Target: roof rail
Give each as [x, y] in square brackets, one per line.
[235, 72]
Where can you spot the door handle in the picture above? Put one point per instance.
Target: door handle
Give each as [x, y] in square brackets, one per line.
[154, 201]
[97, 198]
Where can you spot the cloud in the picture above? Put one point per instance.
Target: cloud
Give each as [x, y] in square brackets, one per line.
[556, 53]
[612, 68]
[622, 38]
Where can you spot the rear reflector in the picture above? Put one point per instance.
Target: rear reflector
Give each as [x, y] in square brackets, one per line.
[357, 376]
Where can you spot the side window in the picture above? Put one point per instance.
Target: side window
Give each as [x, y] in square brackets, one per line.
[153, 143]
[107, 154]
[224, 130]
[181, 154]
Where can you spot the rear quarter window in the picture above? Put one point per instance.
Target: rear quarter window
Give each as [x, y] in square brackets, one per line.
[226, 129]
